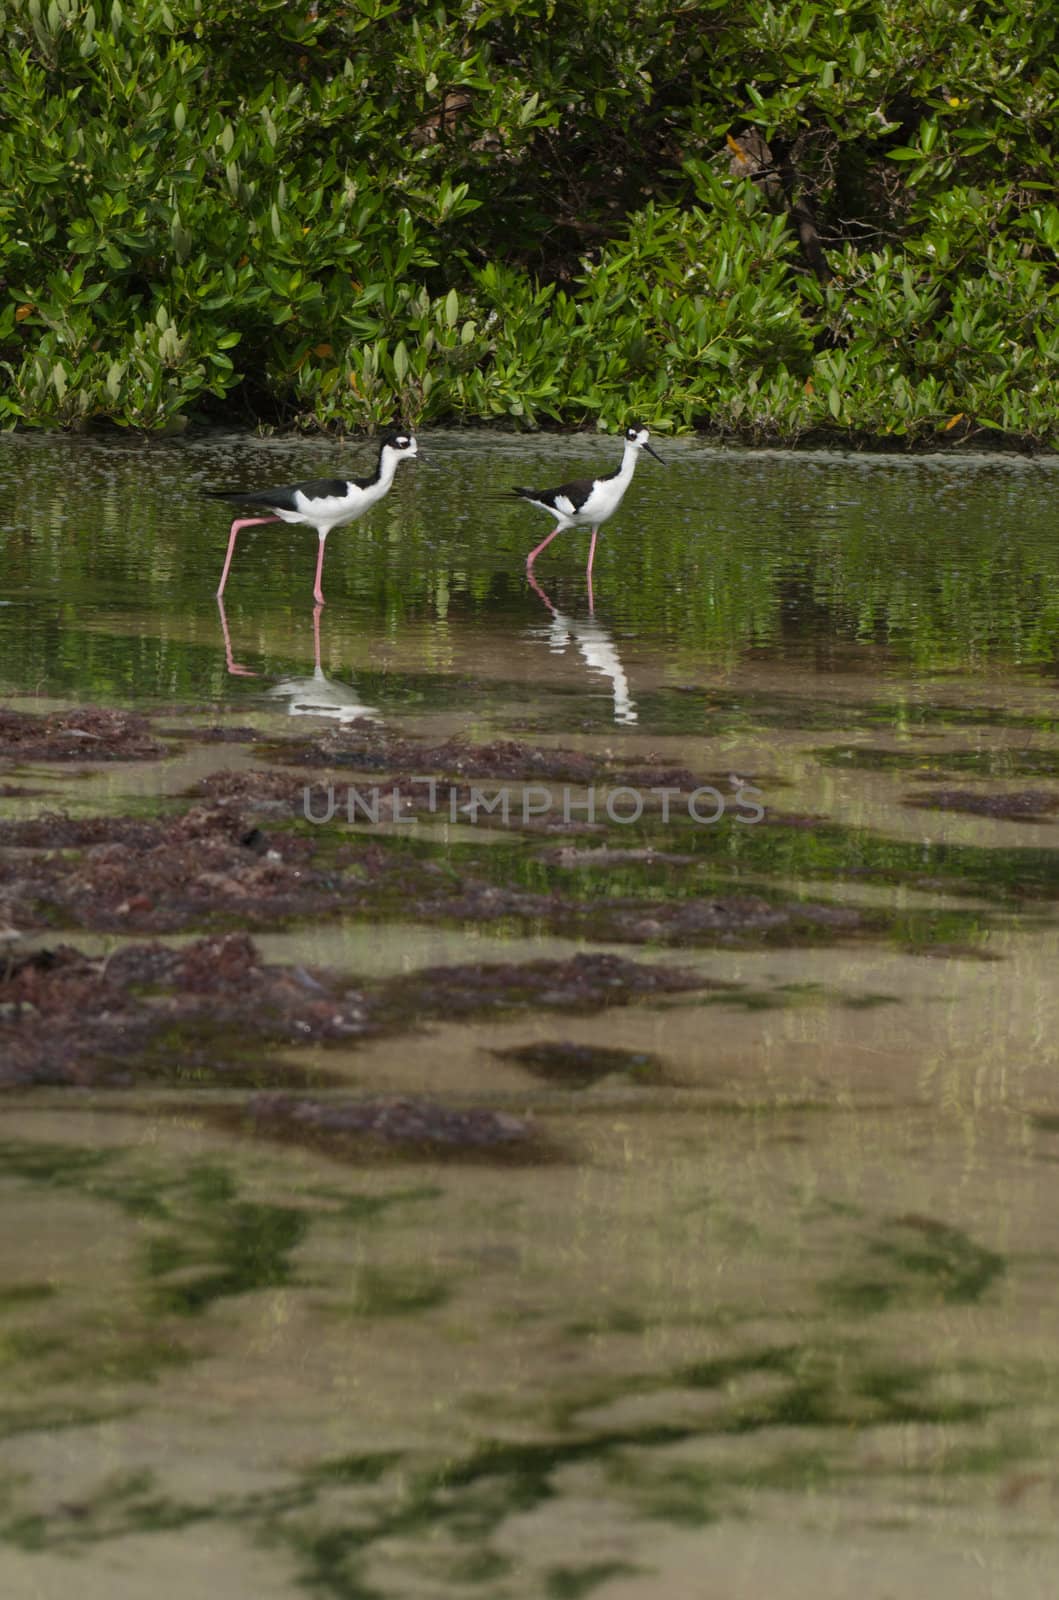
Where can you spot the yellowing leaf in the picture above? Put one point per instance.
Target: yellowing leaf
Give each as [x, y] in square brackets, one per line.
[23, 312]
[953, 421]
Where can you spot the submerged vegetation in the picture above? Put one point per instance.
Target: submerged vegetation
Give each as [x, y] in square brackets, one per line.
[771, 220]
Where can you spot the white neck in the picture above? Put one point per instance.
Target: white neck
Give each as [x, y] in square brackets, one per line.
[628, 461]
[387, 465]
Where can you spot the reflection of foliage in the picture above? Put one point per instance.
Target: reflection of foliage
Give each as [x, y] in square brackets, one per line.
[516, 210]
[719, 555]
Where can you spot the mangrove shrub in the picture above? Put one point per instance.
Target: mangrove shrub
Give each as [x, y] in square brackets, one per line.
[768, 219]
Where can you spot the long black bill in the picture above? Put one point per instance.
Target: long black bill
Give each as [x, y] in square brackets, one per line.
[657, 457]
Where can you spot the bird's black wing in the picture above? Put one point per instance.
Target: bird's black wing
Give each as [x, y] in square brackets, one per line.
[283, 498]
[576, 493]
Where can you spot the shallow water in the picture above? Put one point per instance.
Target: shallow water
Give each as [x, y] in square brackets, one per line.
[782, 1310]
[888, 567]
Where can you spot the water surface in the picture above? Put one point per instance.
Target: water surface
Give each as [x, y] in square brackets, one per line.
[784, 1312]
[877, 565]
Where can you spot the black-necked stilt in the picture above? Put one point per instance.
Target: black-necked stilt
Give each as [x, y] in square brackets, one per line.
[588, 502]
[323, 503]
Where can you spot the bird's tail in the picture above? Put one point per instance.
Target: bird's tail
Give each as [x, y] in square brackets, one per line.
[237, 496]
[506, 496]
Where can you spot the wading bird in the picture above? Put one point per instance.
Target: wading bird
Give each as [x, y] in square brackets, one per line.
[323, 503]
[588, 502]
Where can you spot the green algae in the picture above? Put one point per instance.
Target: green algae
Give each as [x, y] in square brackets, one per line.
[787, 997]
[728, 854]
[236, 1248]
[61, 1166]
[365, 1208]
[460, 1503]
[219, 1244]
[57, 1416]
[99, 1350]
[705, 712]
[21, 1294]
[197, 1053]
[619, 1319]
[755, 861]
[578, 1066]
[727, 882]
[19, 1347]
[573, 1583]
[696, 1494]
[1002, 762]
[109, 1175]
[915, 1260]
[355, 1468]
[397, 1292]
[839, 1386]
[201, 1052]
[124, 1503]
[845, 854]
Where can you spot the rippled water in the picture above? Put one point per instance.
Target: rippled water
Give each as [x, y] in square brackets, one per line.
[778, 1320]
[863, 564]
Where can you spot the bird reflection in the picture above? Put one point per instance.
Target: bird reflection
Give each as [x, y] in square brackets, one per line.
[595, 644]
[318, 696]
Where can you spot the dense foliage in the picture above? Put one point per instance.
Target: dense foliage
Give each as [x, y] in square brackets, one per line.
[530, 210]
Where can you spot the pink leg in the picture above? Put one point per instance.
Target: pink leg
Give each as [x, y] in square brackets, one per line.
[531, 558]
[592, 551]
[318, 594]
[316, 637]
[233, 666]
[240, 522]
[535, 586]
[591, 598]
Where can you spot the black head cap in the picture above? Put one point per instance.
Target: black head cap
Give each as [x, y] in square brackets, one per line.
[397, 436]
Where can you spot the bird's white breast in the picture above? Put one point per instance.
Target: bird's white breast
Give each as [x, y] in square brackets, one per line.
[333, 508]
[604, 499]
